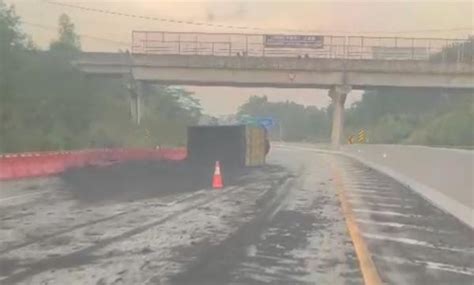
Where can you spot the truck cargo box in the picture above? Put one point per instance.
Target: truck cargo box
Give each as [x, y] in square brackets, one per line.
[233, 146]
[255, 138]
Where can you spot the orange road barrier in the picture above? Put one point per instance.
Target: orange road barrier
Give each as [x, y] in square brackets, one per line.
[217, 178]
[33, 164]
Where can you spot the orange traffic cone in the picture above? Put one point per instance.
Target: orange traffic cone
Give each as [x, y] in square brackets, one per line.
[217, 178]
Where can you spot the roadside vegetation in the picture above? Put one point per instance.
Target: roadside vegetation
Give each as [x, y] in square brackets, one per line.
[47, 104]
[294, 122]
[388, 115]
[414, 117]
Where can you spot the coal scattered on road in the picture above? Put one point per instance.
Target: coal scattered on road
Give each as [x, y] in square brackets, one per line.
[137, 180]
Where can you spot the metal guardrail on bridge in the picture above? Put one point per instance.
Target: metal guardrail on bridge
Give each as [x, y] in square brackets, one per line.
[336, 47]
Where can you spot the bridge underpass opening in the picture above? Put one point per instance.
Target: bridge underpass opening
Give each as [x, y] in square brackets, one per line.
[224, 104]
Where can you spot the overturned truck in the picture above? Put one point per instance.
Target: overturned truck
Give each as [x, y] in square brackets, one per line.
[233, 146]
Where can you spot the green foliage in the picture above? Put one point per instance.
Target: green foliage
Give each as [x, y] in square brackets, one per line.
[294, 122]
[392, 129]
[46, 104]
[68, 42]
[10, 34]
[388, 116]
[411, 116]
[418, 117]
[430, 117]
[459, 52]
[452, 128]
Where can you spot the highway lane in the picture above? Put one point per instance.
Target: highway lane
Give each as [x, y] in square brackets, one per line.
[410, 241]
[298, 239]
[440, 168]
[278, 226]
[443, 176]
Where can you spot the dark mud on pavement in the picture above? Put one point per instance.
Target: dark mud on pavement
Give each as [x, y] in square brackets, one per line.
[64, 253]
[216, 264]
[137, 180]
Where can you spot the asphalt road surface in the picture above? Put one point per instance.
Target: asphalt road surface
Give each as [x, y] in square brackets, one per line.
[308, 218]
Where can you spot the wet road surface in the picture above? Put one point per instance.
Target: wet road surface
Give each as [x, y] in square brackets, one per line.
[410, 241]
[278, 225]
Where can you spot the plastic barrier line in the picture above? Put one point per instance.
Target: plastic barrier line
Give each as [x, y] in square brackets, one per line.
[33, 164]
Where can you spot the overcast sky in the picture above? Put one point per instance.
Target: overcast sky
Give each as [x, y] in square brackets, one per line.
[104, 32]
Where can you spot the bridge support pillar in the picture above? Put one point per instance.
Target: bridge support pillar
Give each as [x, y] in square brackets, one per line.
[136, 94]
[338, 95]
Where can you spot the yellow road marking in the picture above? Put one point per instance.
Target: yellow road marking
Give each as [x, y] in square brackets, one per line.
[366, 264]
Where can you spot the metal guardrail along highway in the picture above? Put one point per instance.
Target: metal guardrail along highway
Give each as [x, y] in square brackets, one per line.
[320, 46]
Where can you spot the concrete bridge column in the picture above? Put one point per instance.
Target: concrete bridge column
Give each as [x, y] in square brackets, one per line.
[338, 95]
[136, 94]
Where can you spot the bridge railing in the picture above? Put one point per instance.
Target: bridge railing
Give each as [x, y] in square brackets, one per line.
[340, 47]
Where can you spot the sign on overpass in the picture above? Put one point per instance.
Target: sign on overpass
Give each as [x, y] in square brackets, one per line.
[293, 41]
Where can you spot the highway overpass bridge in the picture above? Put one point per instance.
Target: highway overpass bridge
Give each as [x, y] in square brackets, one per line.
[339, 64]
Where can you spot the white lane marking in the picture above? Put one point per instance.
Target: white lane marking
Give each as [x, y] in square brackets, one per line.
[399, 225]
[428, 264]
[415, 242]
[385, 213]
[381, 197]
[371, 186]
[369, 192]
[23, 196]
[387, 224]
[385, 205]
[376, 190]
[448, 267]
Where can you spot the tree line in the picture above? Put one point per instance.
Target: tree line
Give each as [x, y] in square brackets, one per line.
[414, 117]
[387, 116]
[293, 122]
[47, 104]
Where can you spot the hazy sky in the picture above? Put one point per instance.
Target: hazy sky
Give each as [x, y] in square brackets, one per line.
[453, 19]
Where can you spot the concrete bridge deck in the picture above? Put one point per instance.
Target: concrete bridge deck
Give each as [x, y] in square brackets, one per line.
[279, 72]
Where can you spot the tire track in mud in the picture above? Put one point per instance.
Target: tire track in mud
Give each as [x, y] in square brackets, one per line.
[65, 231]
[180, 198]
[84, 256]
[216, 262]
